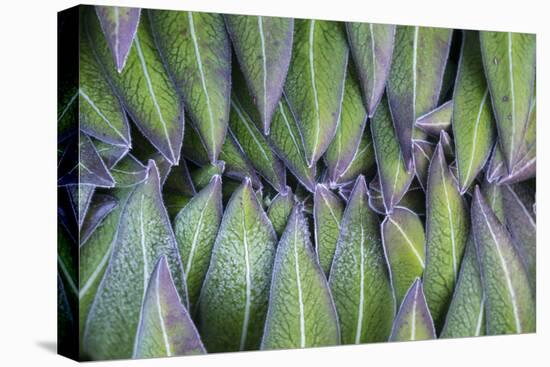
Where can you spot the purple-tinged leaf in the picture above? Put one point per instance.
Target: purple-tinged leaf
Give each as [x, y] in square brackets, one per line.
[422, 155]
[437, 119]
[80, 197]
[372, 48]
[119, 24]
[111, 154]
[327, 216]
[100, 207]
[129, 171]
[496, 167]
[165, 327]
[413, 321]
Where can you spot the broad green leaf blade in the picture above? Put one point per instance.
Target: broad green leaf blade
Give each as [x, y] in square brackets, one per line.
[101, 113]
[363, 162]
[315, 82]
[286, 142]
[422, 154]
[301, 311]
[196, 227]
[359, 278]
[263, 47]
[437, 119]
[100, 207]
[510, 307]
[521, 224]
[473, 124]
[493, 194]
[496, 168]
[95, 254]
[234, 298]
[413, 321]
[128, 172]
[351, 125]
[197, 53]
[403, 239]
[372, 48]
[143, 236]
[119, 25]
[165, 327]
[509, 63]
[327, 216]
[90, 167]
[148, 94]
[413, 92]
[526, 167]
[110, 154]
[203, 175]
[280, 209]
[466, 315]
[395, 174]
[447, 227]
[256, 147]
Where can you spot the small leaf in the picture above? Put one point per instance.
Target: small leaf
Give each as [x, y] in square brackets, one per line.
[363, 162]
[263, 47]
[145, 88]
[195, 228]
[101, 113]
[413, 92]
[202, 176]
[510, 306]
[327, 215]
[90, 168]
[119, 25]
[493, 193]
[256, 147]
[234, 297]
[315, 82]
[197, 53]
[473, 124]
[395, 174]
[372, 48]
[447, 227]
[101, 206]
[437, 119]
[351, 125]
[422, 155]
[359, 278]
[509, 63]
[413, 321]
[280, 209]
[129, 171]
[466, 315]
[521, 224]
[144, 235]
[447, 145]
[165, 327]
[80, 197]
[301, 311]
[403, 239]
[496, 168]
[110, 154]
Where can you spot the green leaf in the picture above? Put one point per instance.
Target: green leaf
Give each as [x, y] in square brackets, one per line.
[359, 278]
[286, 142]
[473, 124]
[256, 147]
[143, 236]
[437, 119]
[280, 209]
[351, 125]
[327, 214]
[363, 162]
[493, 193]
[521, 224]
[447, 227]
[119, 25]
[510, 306]
[80, 197]
[422, 154]
[99, 208]
[413, 92]
[197, 53]
[372, 48]
[413, 321]
[301, 311]
[403, 239]
[234, 297]
[165, 327]
[148, 94]
[110, 154]
[203, 175]
[466, 315]
[196, 227]
[496, 168]
[101, 113]
[315, 82]
[509, 63]
[129, 171]
[395, 174]
[263, 47]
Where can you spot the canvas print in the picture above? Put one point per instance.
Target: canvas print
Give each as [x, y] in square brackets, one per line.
[237, 183]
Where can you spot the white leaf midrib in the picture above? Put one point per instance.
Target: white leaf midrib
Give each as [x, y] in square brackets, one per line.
[299, 286]
[161, 318]
[314, 87]
[409, 242]
[450, 215]
[264, 63]
[474, 142]
[248, 281]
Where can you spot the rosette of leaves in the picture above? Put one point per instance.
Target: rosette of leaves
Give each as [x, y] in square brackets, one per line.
[250, 182]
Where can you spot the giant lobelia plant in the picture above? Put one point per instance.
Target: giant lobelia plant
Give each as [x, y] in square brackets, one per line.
[250, 182]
